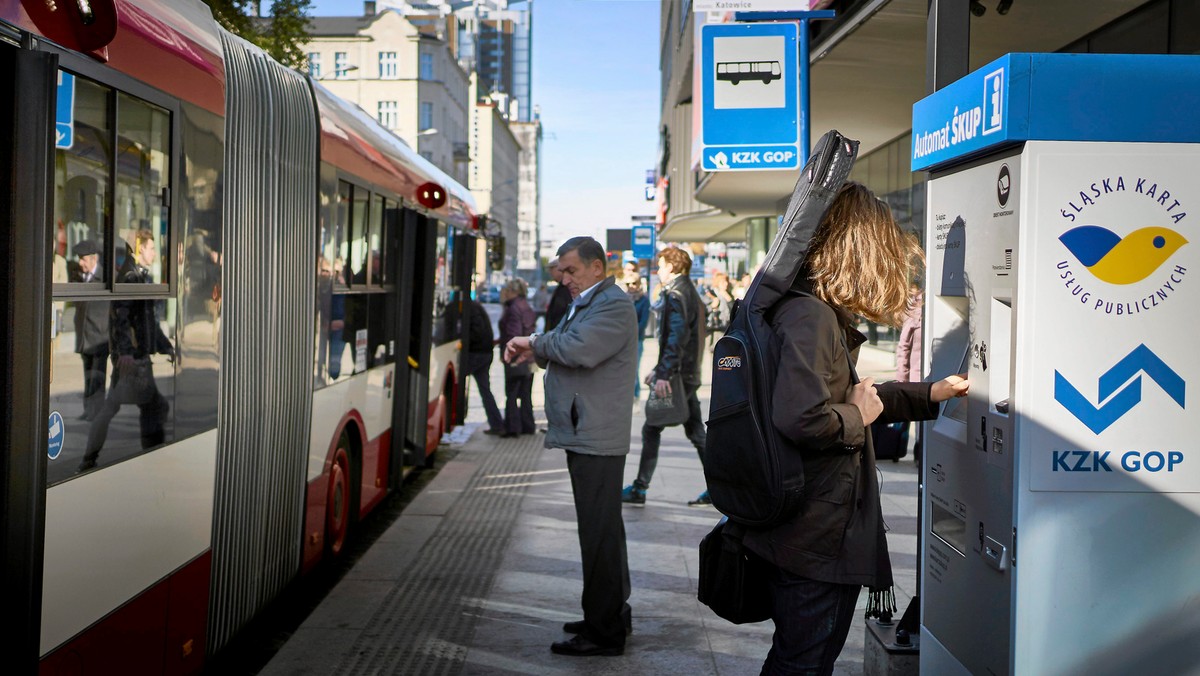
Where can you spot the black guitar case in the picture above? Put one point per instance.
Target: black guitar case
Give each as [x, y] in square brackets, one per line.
[754, 474]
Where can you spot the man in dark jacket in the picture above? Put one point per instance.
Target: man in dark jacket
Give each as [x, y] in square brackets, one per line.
[680, 350]
[480, 349]
[91, 330]
[560, 301]
[134, 336]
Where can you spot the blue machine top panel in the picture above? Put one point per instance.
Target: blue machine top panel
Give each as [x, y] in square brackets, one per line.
[1059, 97]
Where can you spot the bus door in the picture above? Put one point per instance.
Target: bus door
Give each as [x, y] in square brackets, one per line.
[400, 259]
[463, 276]
[419, 260]
[27, 125]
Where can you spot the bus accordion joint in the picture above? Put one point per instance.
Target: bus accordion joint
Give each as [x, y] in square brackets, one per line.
[413, 363]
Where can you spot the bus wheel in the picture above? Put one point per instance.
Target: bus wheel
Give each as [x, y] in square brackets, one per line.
[337, 506]
[734, 81]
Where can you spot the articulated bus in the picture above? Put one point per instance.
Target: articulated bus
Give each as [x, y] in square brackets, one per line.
[234, 302]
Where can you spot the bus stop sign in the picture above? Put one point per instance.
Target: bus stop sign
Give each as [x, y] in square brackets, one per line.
[750, 102]
[643, 241]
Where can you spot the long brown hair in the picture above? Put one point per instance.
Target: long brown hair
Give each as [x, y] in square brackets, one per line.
[860, 260]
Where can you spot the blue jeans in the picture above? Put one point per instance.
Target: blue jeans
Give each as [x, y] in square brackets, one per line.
[637, 381]
[479, 365]
[812, 620]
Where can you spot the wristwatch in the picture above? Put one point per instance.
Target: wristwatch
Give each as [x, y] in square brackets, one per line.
[533, 339]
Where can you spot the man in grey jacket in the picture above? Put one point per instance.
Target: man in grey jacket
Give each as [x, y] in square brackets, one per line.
[591, 362]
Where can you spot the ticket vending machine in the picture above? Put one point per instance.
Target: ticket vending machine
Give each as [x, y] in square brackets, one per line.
[1061, 511]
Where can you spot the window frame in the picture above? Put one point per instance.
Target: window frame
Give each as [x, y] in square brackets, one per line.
[314, 64]
[393, 114]
[389, 66]
[421, 121]
[425, 70]
[341, 65]
[169, 254]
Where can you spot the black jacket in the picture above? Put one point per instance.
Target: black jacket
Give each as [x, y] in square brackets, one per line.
[681, 336]
[480, 337]
[838, 535]
[91, 321]
[134, 327]
[559, 304]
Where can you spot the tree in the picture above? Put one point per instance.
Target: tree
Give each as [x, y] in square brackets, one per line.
[281, 35]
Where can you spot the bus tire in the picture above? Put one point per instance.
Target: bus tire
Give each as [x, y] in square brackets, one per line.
[337, 504]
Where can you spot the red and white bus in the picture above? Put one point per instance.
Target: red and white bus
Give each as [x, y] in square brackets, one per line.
[235, 298]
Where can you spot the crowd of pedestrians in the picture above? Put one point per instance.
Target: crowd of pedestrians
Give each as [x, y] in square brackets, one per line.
[592, 326]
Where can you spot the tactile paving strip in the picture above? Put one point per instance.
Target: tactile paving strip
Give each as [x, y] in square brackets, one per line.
[426, 623]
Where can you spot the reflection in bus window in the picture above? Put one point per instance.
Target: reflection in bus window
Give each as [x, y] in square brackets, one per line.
[375, 237]
[443, 287]
[358, 237]
[143, 179]
[81, 195]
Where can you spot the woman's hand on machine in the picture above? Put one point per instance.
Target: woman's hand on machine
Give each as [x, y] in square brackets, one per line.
[950, 387]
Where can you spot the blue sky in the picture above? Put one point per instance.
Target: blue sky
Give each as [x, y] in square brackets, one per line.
[596, 80]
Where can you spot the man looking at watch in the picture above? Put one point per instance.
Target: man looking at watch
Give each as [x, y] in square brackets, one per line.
[590, 360]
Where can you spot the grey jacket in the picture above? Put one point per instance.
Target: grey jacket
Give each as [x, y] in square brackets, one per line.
[591, 367]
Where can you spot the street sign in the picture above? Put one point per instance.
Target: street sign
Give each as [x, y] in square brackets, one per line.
[64, 112]
[643, 241]
[758, 5]
[749, 91]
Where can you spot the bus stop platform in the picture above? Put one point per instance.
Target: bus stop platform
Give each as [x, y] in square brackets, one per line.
[482, 568]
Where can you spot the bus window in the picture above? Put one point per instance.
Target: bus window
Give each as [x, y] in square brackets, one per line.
[112, 355]
[143, 188]
[375, 249]
[358, 237]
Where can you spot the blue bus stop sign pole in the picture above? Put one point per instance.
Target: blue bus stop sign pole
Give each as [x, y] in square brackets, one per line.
[803, 18]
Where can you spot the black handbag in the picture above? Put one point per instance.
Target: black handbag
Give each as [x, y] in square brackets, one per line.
[733, 580]
[668, 410]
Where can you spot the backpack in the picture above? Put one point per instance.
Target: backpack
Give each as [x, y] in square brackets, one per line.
[755, 475]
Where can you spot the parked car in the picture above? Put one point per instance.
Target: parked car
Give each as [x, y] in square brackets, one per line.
[490, 294]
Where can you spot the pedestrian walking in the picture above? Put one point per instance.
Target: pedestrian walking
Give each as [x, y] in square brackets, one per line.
[589, 361]
[641, 305]
[680, 352]
[560, 300]
[517, 319]
[481, 345]
[820, 558]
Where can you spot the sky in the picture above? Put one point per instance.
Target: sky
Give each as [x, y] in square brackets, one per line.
[596, 81]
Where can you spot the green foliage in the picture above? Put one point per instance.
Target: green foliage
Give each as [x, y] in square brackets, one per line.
[282, 35]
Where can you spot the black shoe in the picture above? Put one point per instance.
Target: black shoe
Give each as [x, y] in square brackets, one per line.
[633, 495]
[578, 626]
[86, 464]
[509, 435]
[701, 499]
[494, 432]
[578, 646]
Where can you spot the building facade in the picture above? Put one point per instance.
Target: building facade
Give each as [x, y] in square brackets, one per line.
[400, 73]
[494, 176]
[529, 211]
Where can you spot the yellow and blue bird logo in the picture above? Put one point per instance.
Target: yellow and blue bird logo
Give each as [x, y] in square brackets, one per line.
[1122, 260]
